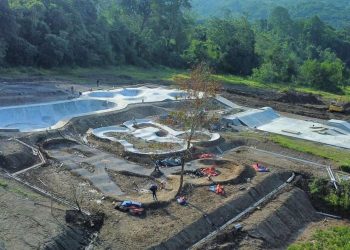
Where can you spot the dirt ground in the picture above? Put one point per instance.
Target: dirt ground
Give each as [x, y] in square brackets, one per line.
[306, 233]
[255, 98]
[59, 181]
[15, 156]
[26, 225]
[17, 92]
[127, 232]
[26, 220]
[251, 156]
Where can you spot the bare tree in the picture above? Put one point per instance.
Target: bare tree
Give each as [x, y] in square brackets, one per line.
[200, 89]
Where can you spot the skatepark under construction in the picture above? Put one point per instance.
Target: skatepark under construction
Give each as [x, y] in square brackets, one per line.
[46, 116]
[104, 144]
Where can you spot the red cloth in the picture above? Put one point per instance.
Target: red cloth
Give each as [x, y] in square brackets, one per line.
[220, 189]
[206, 156]
[209, 171]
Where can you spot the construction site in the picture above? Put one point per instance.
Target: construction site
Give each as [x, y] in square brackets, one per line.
[77, 163]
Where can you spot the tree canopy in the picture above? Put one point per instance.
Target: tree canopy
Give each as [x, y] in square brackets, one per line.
[278, 48]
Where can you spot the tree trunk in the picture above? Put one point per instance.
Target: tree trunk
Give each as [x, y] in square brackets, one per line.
[183, 167]
[181, 176]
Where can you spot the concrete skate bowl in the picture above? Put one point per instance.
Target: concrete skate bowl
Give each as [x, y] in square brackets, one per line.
[127, 93]
[143, 140]
[143, 136]
[177, 95]
[45, 116]
[53, 115]
[203, 139]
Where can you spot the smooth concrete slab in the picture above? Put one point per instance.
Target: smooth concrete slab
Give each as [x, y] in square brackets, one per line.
[53, 115]
[333, 132]
[309, 131]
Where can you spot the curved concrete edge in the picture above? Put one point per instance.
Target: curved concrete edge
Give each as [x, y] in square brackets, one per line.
[147, 134]
[118, 102]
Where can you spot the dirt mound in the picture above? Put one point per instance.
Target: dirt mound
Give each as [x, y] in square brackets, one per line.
[302, 98]
[91, 222]
[15, 157]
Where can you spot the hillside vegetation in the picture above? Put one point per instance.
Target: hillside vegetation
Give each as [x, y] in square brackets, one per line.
[278, 51]
[332, 12]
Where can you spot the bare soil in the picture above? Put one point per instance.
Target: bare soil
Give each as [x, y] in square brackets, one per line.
[16, 92]
[307, 232]
[28, 226]
[26, 219]
[57, 180]
[15, 157]
[300, 104]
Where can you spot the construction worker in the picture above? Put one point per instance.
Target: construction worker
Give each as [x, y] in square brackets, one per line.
[154, 189]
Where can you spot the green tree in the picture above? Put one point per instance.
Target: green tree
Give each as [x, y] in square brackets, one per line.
[200, 88]
[326, 73]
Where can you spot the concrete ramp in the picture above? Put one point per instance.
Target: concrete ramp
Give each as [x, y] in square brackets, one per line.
[255, 117]
[227, 102]
[343, 125]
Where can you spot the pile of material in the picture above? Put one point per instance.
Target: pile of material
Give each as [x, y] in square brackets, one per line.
[169, 162]
[209, 172]
[78, 218]
[206, 156]
[182, 200]
[302, 98]
[132, 207]
[260, 168]
[218, 189]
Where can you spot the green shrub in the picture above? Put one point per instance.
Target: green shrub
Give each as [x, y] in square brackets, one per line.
[3, 184]
[345, 168]
[333, 238]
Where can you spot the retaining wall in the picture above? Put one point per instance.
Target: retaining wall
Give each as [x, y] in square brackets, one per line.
[201, 228]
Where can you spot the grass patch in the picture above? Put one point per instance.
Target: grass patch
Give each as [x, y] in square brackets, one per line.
[333, 238]
[281, 87]
[82, 75]
[10, 187]
[3, 184]
[339, 156]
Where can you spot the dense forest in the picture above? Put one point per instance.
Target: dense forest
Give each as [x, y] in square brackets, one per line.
[335, 13]
[56, 33]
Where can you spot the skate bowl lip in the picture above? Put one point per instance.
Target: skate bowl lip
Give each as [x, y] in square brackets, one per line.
[114, 101]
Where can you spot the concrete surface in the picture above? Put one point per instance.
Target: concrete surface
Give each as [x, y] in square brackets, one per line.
[53, 115]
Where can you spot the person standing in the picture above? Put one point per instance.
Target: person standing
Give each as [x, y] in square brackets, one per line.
[154, 189]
